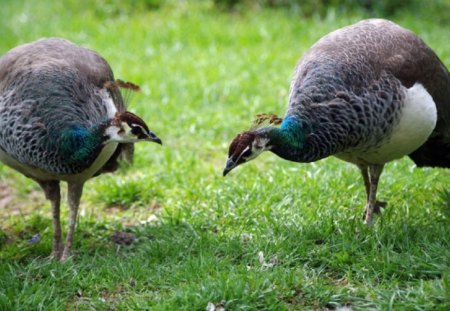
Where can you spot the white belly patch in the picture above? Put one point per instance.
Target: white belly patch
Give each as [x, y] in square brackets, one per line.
[417, 121]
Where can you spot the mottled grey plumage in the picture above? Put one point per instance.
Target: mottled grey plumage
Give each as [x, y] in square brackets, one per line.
[60, 122]
[336, 119]
[368, 93]
[46, 88]
[351, 84]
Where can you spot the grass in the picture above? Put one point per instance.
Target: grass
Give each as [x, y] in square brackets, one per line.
[272, 235]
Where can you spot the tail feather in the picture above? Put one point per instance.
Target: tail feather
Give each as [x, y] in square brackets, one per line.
[435, 153]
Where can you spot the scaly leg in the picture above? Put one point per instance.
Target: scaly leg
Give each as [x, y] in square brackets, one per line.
[53, 194]
[74, 191]
[374, 175]
[365, 174]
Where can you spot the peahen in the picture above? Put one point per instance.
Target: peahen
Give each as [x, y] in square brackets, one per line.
[62, 118]
[368, 93]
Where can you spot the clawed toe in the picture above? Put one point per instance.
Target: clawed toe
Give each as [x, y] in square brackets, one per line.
[64, 257]
[57, 251]
[377, 208]
[56, 255]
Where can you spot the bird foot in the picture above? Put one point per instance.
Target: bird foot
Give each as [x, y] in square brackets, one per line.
[378, 206]
[376, 210]
[65, 254]
[56, 255]
[57, 251]
[60, 252]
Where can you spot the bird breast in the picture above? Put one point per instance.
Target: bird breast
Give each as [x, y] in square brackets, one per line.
[41, 174]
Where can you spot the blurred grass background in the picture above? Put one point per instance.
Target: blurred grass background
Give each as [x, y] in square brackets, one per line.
[206, 68]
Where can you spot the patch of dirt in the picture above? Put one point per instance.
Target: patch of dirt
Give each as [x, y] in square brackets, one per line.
[6, 195]
[155, 205]
[123, 238]
[131, 216]
[11, 205]
[113, 209]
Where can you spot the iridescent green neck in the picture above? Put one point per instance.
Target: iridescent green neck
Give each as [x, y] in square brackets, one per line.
[79, 144]
[289, 135]
[289, 141]
[286, 141]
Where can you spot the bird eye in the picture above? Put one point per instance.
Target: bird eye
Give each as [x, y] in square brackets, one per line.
[135, 130]
[247, 153]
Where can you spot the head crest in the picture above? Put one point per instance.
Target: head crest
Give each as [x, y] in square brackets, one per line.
[265, 119]
[126, 89]
[119, 84]
[129, 118]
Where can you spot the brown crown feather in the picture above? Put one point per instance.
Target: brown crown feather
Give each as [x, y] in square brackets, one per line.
[240, 142]
[114, 85]
[266, 119]
[129, 118]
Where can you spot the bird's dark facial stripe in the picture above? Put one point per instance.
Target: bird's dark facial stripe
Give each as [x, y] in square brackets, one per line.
[133, 120]
[142, 135]
[139, 131]
[136, 130]
[246, 153]
[240, 143]
[241, 147]
[241, 157]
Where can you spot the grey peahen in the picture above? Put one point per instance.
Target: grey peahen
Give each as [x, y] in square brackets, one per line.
[368, 93]
[62, 118]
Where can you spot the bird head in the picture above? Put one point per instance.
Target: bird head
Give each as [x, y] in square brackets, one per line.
[126, 127]
[245, 147]
[249, 144]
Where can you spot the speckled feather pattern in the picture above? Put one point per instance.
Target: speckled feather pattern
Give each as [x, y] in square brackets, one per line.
[336, 119]
[368, 93]
[348, 90]
[47, 89]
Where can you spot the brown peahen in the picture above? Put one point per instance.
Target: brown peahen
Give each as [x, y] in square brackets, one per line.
[62, 118]
[368, 93]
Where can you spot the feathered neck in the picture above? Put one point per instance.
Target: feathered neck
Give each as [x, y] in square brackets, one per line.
[79, 144]
[291, 134]
[287, 141]
[298, 140]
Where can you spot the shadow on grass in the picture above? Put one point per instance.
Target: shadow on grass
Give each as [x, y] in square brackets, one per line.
[445, 198]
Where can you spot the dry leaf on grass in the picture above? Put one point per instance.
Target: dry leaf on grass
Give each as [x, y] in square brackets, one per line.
[123, 238]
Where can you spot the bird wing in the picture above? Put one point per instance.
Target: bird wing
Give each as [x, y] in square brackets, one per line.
[59, 53]
[33, 73]
[369, 49]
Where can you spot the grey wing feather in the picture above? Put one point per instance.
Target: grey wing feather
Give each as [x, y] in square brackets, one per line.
[36, 79]
[356, 56]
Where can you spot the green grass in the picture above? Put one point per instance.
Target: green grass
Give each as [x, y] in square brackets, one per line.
[205, 74]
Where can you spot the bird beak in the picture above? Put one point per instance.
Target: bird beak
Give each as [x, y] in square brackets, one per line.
[152, 137]
[230, 165]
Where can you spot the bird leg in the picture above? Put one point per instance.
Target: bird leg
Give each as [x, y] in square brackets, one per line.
[378, 204]
[74, 191]
[371, 175]
[53, 194]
